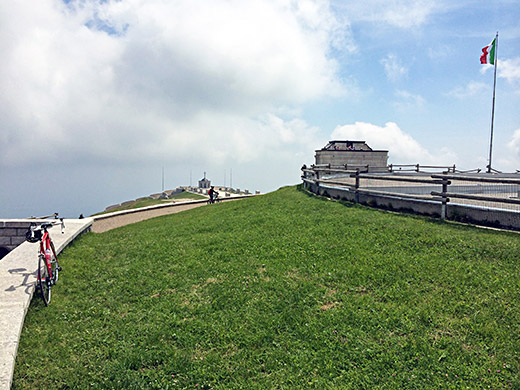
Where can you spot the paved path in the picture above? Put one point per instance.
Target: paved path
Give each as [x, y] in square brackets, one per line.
[105, 222]
[109, 221]
[17, 281]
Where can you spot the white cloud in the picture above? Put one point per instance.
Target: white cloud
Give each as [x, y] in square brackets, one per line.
[509, 162]
[408, 101]
[134, 80]
[440, 51]
[398, 13]
[241, 139]
[402, 148]
[473, 88]
[514, 145]
[510, 70]
[394, 70]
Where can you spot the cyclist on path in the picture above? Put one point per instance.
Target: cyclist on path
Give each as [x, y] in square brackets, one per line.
[212, 194]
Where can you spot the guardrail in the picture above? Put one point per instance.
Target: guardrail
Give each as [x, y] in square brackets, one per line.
[418, 167]
[481, 198]
[391, 168]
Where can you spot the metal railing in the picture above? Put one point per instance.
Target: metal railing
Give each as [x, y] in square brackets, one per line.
[418, 167]
[494, 193]
[390, 168]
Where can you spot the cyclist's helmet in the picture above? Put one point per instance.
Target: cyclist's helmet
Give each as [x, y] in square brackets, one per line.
[33, 235]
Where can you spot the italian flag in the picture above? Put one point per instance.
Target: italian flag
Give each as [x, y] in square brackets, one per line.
[488, 54]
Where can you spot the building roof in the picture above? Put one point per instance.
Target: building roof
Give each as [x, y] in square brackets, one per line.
[347, 145]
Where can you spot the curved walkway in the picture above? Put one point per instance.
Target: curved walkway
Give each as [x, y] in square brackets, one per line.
[105, 222]
[18, 271]
[109, 221]
[17, 280]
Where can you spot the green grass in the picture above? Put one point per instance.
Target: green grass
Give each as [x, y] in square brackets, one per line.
[145, 202]
[286, 291]
[188, 195]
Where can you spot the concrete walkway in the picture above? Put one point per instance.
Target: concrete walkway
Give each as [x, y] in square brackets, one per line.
[109, 221]
[17, 284]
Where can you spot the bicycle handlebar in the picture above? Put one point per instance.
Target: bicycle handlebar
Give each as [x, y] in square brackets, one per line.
[34, 233]
[55, 216]
[45, 225]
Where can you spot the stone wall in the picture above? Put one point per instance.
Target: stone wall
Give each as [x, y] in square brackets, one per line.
[337, 158]
[12, 234]
[503, 219]
[377, 200]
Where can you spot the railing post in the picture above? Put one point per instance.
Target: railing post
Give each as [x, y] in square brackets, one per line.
[445, 183]
[356, 196]
[417, 168]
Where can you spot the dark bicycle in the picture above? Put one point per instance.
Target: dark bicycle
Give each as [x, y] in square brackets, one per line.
[214, 199]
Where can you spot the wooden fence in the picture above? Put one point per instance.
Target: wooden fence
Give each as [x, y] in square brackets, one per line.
[489, 199]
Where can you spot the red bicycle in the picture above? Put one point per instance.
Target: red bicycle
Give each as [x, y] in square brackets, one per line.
[48, 267]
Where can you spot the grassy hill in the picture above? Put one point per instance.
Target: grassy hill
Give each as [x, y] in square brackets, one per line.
[284, 290]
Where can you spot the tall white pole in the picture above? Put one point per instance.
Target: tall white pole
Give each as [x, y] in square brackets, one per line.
[493, 106]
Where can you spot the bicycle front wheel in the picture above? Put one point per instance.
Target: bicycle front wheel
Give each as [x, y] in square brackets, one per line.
[44, 280]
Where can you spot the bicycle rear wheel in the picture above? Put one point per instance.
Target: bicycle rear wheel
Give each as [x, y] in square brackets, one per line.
[44, 281]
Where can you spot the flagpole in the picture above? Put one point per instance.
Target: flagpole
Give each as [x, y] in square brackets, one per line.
[493, 106]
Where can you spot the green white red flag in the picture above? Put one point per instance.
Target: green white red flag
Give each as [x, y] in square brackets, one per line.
[488, 53]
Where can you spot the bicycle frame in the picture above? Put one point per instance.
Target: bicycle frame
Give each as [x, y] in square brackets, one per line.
[46, 247]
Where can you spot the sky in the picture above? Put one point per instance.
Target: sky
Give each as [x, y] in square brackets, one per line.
[99, 97]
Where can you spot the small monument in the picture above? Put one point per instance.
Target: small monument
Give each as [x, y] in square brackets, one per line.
[204, 183]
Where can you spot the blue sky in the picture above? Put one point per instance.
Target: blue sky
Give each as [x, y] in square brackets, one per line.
[96, 97]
